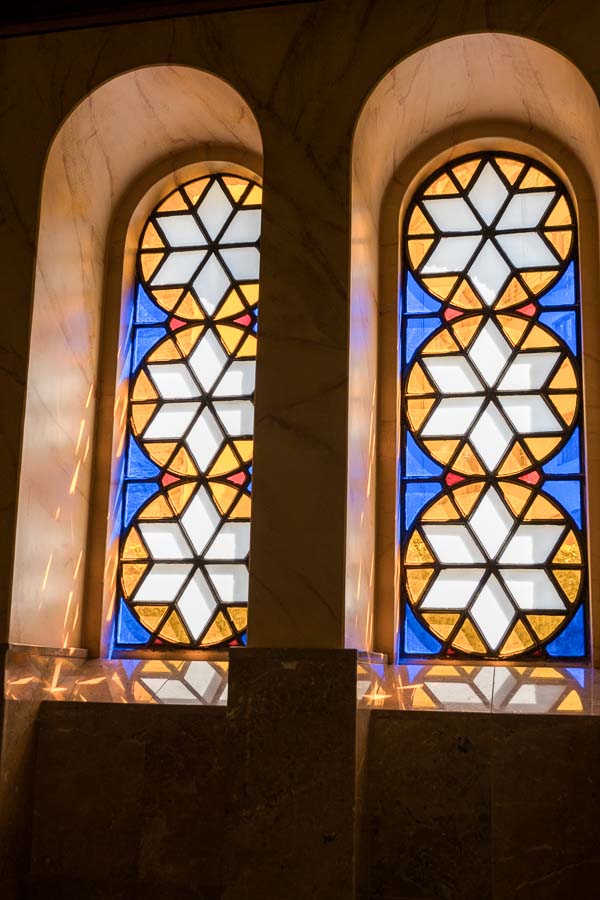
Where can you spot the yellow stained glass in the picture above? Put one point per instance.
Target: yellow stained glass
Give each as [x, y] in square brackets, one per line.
[418, 223]
[540, 447]
[157, 509]
[254, 197]
[417, 411]
[571, 703]
[174, 631]
[140, 415]
[568, 552]
[441, 623]
[442, 450]
[561, 240]
[544, 626]
[150, 616]
[225, 462]
[512, 295]
[195, 189]
[160, 451]
[418, 382]
[239, 616]
[167, 298]
[464, 171]
[416, 582]
[247, 349]
[560, 215]
[242, 508]
[219, 631]
[244, 449]
[143, 388]
[180, 494]
[182, 464]
[516, 495]
[417, 551]
[467, 463]
[166, 351]
[440, 343]
[569, 580]
[538, 338]
[235, 186]
[250, 292]
[223, 494]
[565, 377]
[468, 640]
[417, 248]
[516, 460]
[541, 508]
[150, 263]
[230, 336]
[174, 203]
[442, 511]
[442, 185]
[231, 306]
[189, 308]
[513, 327]
[510, 168]
[440, 285]
[130, 576]
[187, 338]
[134, 547]
[466, 496]
[152, 239]
[465, 297]
[537, 281]
[466, 329]
[518, 640]
[535, 179]
[566, 404]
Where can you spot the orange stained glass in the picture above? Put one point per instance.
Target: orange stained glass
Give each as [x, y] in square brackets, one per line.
[417, 551]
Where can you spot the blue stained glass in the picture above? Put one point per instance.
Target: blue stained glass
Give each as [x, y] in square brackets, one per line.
[417, 463]
[416, 496]
[147, 311]
[563, 292]
[571, 641]
[564, 324]
[417, 330]
[130, 631]
[243, 639]
[136, 494]
[416, 638]
[578, 675]
[567, 461]
[417, 299]
[138, 464]
[145, 339]
[568, 494]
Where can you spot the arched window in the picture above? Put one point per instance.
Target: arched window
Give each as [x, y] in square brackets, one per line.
[491, 501]
[185, 510]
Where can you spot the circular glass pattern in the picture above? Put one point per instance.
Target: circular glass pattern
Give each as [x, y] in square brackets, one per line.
[494, 569]
[492, 395]
[490, 231]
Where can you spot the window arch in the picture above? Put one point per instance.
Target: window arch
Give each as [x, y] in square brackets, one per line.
[491, 501]
[187, 473]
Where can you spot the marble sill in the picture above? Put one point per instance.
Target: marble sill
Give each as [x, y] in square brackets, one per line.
[435, 687]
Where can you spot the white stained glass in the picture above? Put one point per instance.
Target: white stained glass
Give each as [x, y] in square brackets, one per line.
[214, 210]
[208, 360]
[488, 194]
[196, 605]
[532, 589]
[232, 542]
[491, 521]
[211, 284]
[493, 612]
[162, 583]
[204, 439]
[452, 589]
[171, 421]
[451, 254]
[490, 352]
[238, 380]
[452, 416]
[452, 374]
[165, 540]
[452, 544]
[178, 267]
[528, 371]
[531, 544]
[244, 228]
[181, 231]
[242, 262]
[231, 582]
[527, 250]
[200, 520]
[530, 414]
[452, 214]
[489, 273]
[491, 436]
[237, 416]
[173, 381]
[525, 210]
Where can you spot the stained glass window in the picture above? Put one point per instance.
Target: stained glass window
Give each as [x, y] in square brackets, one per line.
[185, 510]
[491, 504]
